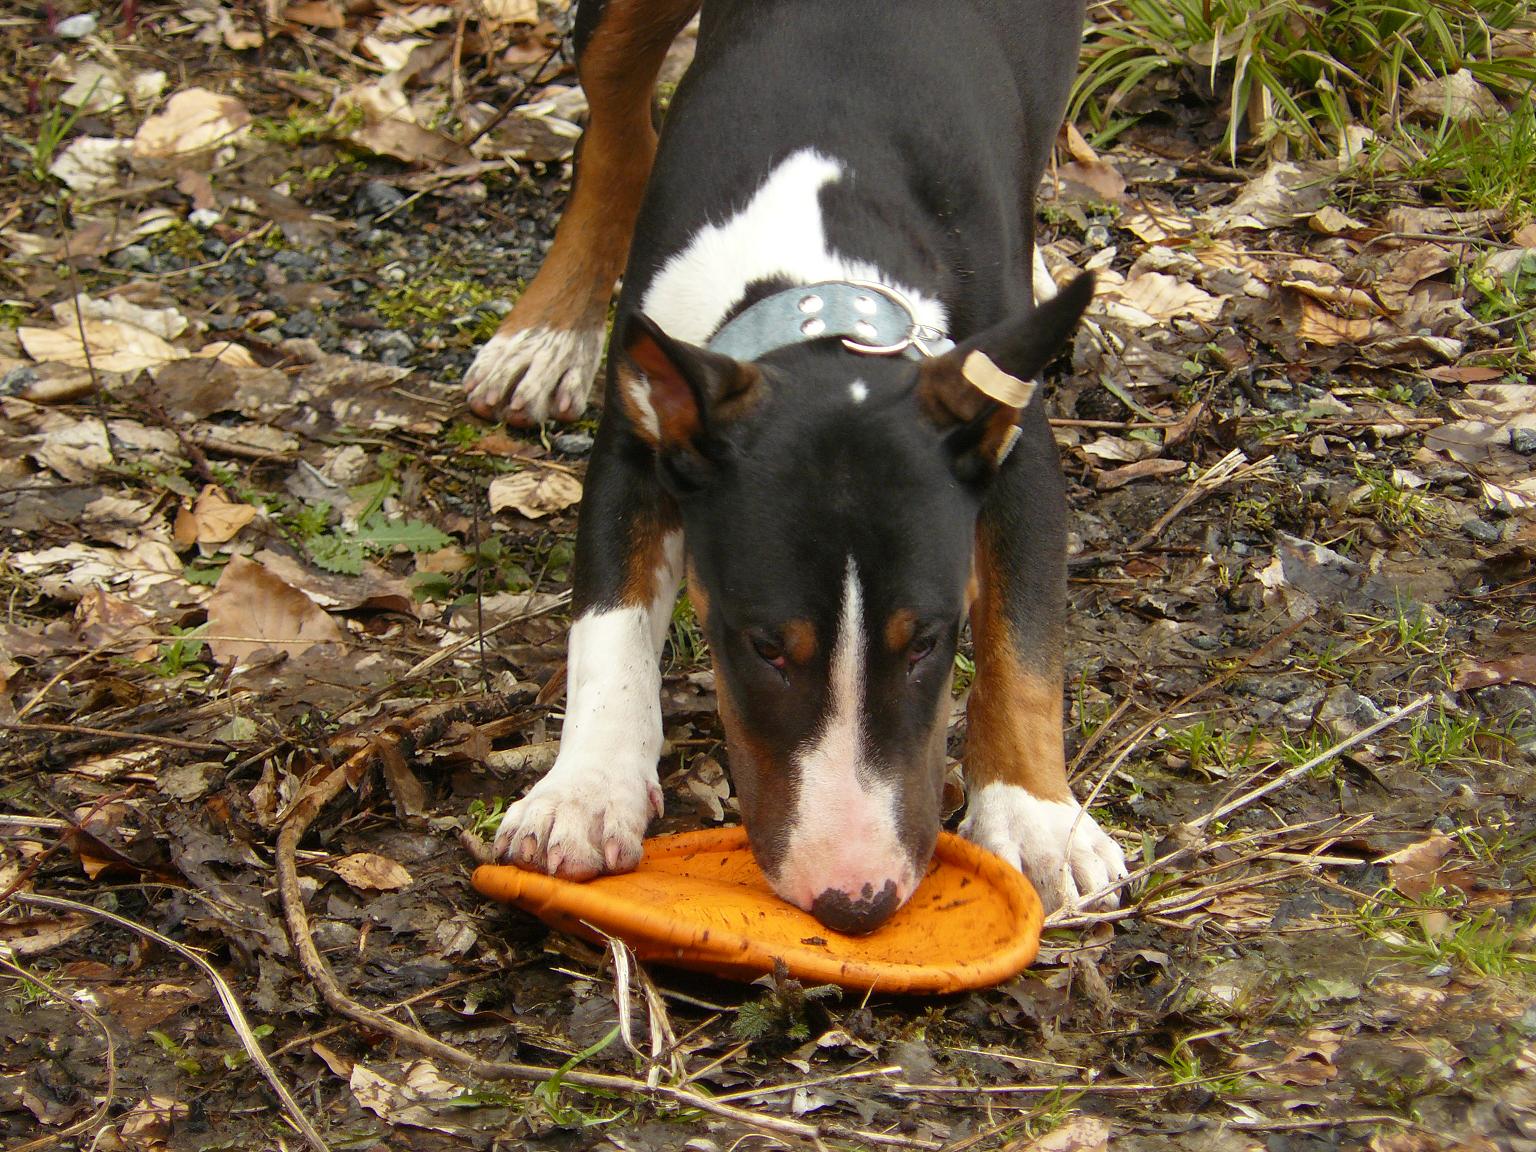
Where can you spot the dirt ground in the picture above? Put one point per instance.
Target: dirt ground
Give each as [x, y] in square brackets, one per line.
[282, 621]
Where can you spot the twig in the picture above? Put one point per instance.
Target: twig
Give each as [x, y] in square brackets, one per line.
[116, 734]
[226, 995]
[1116, 1088]
[96, 1117]
[1285, 778]
[1233, 466]
[812, 1082]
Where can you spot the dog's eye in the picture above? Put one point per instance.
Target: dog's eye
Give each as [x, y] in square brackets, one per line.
[918, 649]
[769, 649]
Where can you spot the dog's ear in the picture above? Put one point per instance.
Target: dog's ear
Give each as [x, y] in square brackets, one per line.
[679, 397]
[975, 392]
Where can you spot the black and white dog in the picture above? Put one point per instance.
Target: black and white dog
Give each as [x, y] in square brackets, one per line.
[820, 406]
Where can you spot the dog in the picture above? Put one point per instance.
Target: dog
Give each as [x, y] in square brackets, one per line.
[820, 407]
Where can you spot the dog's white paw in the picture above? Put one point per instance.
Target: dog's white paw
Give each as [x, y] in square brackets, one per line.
[535, 374]
[1065, 856]
[581, 820]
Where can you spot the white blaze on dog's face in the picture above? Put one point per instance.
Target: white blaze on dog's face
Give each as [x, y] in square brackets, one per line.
[844, 855]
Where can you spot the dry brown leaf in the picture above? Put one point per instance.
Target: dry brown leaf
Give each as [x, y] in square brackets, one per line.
[1320, 326]
[1160, 298]
[1329, 221]
[1475, 673]
[251, 609]
[370, 872]
[1466, 373]
[535, 493]
[1280, 194]
[316, 14]
[1409, 269]
[1141, 470]
[1154, 223]
[213, 519]
[412, 144]
[1456, 98]
[1339, 296]
[1079, 1134]
[509, 11]
[193, 120]
[38, 935]
[114, 346]
[1414, 870]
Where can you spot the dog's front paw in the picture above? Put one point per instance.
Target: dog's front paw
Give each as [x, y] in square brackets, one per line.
[1066, 856]
[579, 822]
[529, 375]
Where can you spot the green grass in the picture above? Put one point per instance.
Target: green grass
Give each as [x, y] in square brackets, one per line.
[459, 305]
[1210, 751]
[1440, 929]
[1396, 508]
[1487, 164]
[1444, 739]
[686, 646]
[1294, 72]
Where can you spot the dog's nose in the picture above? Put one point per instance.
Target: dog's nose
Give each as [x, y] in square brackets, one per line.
[857, 915]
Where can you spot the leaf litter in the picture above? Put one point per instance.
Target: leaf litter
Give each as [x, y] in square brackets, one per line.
[285, 629]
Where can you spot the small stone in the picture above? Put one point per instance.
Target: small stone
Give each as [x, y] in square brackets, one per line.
[214, 247]
[1345, 712]
[1096, 236]
[1523, 440]
[301, 323]
[1481, 531]
[391, 347]
[75, 27]
[287, 258]
[204, 218]
[135, 257]
[17, 380]
[376, 197]
[573, 443]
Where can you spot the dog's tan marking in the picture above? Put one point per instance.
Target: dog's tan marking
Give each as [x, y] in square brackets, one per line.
[646, 561]
[900, 627]
[799, 638]
[1014, 731]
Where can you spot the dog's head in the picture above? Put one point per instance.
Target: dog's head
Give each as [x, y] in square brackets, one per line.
[829, 503]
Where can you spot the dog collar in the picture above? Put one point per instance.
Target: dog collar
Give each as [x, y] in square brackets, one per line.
[870, 318]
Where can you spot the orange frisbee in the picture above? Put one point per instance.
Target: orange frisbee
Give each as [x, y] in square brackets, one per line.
[698, 900]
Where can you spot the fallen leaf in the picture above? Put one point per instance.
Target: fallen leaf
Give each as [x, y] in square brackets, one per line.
[316, 14]
[91, 163]
[1159, 298]
[1457, 98]
[213, 519]
[1079, 1134]
[1338, 296]
[1280, 194]
[1140, 470]
[370, 872]
[1328, 330]
[1475, 673]
[251, 609]
[509, 11]
[1329, 221]
[193, 120]
[535, 493]
[1414, 870]
[114, 346]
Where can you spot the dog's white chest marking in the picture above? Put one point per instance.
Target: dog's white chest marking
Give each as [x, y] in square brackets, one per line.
[778, 234]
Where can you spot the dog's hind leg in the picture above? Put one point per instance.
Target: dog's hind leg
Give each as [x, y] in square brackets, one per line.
[542, 361]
